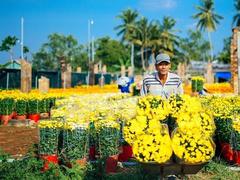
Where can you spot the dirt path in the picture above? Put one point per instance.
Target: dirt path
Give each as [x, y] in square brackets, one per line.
[18, 140]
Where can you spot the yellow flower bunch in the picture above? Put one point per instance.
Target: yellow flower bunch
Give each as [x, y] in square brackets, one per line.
[54, 124]
[197, 122]
[192, 147]
[184, 103]
[153, 147]
[198, 78]
[236, 124]
[134, 127]
[72, 126]
[222, 107]
[154, 107]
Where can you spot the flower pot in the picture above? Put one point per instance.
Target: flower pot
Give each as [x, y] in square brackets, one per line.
[226, 151]
[5, 119]
[34, 117]
[13, 115]
[48, 159]
[111, 164]
[126, 153]
[236, 158]
[21, 117]
[92, 153]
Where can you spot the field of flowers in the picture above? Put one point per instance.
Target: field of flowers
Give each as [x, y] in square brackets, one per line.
[85, 127]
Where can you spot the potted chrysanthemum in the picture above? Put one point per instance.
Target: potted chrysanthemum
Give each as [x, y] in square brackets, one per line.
[6, 108]
[21, 108]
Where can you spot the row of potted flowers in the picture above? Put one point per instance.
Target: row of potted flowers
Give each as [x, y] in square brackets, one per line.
[226, 111]
[19, 105]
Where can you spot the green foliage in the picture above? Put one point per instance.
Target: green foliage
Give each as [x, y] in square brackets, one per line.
[6, 106]
[108, 141]
[236, 17]
[110, 52]
[7, 45]
[21, 107]
[224, 129]
[75, 143]
[207, 18]
[48, 141]
[197, 85]
[33, 106]
[219, 170]
[60, 47]
[45, 105]
[3, 156]
[225, 55]
[194, 47]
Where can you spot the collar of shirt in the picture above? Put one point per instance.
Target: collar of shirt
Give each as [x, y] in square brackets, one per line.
[157, 77]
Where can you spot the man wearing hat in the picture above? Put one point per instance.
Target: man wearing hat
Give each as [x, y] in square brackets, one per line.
[162, 82]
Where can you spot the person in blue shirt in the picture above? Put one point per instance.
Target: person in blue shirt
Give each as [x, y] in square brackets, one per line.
[124, 84]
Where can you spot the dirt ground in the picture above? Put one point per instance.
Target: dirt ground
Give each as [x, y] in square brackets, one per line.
[18, 140]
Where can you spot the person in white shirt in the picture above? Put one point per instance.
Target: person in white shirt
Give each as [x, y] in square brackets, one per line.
[162, 82]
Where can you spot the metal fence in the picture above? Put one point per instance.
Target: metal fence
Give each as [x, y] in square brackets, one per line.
[11, 78]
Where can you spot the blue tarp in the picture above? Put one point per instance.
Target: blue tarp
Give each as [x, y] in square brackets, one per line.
[223, 75]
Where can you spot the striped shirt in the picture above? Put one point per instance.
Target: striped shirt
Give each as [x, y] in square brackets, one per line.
[153, 85]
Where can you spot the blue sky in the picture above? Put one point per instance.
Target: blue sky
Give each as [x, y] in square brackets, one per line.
[43, 17]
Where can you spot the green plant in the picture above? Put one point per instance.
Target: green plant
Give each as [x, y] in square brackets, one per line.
[48, 141]
[6, 105]
[21, 107]
[108, 141]
[46, 104]
[197, 84]
[75, 143]
[224, 129]
[3, 156]
[33, 106]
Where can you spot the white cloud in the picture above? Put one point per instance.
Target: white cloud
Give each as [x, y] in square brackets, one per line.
[158, 4]
[192, 26]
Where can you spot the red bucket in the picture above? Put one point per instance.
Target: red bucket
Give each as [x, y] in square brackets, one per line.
[236, 158]
[111, 164]
[227, 151]
[34, 117]
[126, 153]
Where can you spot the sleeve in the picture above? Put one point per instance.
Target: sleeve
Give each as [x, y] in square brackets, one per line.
[180, 88]
[143, 91]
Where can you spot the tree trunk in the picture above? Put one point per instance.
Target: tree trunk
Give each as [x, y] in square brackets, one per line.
[211, 47]
[11, 55]
[132, 57]
[142, 58]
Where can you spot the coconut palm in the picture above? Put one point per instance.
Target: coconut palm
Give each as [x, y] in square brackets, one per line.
[168, 36]
[236, 18]
[145, 36]
[128, 18]
[126, 29]
[207, 19]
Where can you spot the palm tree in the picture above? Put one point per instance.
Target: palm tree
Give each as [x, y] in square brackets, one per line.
[145, 37]
[126, 29]
[207, 19]
[236, 18]
[168, 37]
